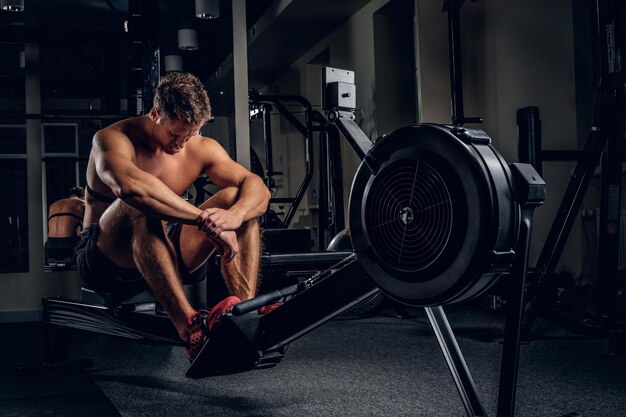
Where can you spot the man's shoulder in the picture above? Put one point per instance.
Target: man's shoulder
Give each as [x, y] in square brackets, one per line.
[205, 139]
[205, 149]
[203, 142]
[123, 128]
[109, 134]
[114, 137]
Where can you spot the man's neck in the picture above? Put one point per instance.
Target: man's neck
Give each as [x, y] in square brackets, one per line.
[141, 131]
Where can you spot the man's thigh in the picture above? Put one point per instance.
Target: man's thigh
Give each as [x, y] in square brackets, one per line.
[117, 225]
[195, 248]
[98, 272]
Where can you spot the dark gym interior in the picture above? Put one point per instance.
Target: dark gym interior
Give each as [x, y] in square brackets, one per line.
[444, 235]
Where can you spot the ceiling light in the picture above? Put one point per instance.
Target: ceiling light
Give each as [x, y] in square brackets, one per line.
[173, 63]
[207, 9]
[12, 5]
[187, 39]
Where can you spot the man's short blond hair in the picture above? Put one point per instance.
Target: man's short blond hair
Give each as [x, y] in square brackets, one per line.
[181, 96]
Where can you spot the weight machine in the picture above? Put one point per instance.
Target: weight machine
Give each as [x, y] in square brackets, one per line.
[330, 178]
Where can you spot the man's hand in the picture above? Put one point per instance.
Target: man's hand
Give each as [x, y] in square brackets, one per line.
[214, 221]
[226, 244]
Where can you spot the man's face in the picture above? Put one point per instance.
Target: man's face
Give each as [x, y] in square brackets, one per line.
[173, 134]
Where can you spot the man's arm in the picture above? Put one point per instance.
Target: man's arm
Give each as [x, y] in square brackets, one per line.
[253, 195]
[114, 160]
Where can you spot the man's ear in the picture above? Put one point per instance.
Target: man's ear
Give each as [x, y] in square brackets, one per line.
[154, 114]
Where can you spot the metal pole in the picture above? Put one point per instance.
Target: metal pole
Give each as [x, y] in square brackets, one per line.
[456, 78]
[455, 361]
[529, 137]
[240, 70]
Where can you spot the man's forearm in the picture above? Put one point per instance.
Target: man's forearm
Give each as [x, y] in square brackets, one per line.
[153, 197]
[172, 210]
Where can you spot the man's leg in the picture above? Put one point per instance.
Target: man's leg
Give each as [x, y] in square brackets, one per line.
[131, 239]
[242, 273]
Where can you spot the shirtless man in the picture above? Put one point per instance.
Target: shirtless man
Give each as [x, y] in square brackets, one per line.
[140, 231]
[65, 221]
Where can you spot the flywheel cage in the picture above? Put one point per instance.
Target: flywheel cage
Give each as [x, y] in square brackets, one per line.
[409, 215]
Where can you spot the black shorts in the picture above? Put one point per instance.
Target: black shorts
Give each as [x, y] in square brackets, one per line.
[100, 274]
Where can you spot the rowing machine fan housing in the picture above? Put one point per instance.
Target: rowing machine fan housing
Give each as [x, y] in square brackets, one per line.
[433, 218]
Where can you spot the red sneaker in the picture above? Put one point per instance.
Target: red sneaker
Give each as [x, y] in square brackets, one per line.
[197, 333]
[220, 309]
[201, 323]
[268, 308]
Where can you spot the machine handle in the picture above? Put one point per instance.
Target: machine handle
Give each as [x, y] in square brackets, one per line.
[262, 300]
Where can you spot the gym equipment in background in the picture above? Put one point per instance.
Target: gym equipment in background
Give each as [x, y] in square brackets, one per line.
[605, 143]
[330, 212]
[261, 107]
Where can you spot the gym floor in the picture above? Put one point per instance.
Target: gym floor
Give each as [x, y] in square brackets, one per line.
[378, 365]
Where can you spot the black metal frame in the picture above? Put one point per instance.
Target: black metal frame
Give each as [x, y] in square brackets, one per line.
[453, 7]
[607, 130]
[265, 104]
[330, 184]
[330, 205]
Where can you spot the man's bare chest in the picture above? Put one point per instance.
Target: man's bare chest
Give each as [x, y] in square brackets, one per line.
[178, 171]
